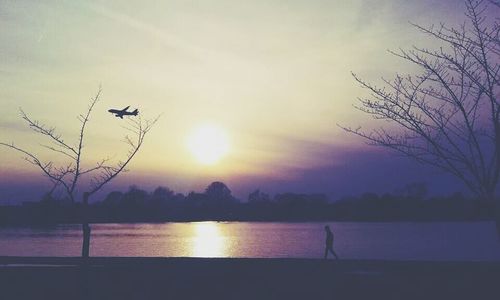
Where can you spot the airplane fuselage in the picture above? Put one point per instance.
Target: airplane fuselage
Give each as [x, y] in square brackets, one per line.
[119, 113]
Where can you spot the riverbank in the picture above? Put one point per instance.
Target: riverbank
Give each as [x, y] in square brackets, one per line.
[248, 278]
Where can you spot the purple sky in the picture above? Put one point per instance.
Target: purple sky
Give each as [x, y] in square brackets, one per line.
[377, 171]
[272, 77]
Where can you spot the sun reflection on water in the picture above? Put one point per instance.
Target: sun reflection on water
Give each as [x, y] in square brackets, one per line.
[208, 240]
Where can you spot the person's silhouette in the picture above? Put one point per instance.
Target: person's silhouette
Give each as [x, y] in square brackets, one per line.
[329, 242]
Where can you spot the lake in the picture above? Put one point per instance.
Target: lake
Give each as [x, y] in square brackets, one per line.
[353, 240]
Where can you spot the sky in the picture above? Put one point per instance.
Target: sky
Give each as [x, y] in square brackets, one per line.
[274, 78]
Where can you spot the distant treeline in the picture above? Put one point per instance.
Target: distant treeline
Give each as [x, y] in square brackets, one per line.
[217, 203]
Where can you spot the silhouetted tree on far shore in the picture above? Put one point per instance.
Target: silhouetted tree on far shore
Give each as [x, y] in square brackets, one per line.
[258, 197]
[163, 204]
[448, 116]
[218, 192]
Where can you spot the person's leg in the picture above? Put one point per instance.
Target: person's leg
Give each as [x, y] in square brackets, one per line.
[334, 254]
[326, 252]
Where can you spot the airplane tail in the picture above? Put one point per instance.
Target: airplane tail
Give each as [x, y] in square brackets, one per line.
[135, 112]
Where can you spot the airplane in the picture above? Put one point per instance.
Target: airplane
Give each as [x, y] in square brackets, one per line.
[120, 113]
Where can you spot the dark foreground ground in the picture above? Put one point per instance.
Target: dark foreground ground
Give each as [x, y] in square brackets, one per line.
[199, 278]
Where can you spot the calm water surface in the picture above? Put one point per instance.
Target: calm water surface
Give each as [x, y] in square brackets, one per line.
[401, 241]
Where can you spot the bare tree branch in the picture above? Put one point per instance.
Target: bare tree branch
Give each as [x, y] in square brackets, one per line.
[59, 151]
[83, 119]
[139, 128]
[49, 132]
[69, 176]
[448, 116]
[55, 175]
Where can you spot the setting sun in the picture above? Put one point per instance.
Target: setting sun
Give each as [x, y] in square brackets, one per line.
[208, 144]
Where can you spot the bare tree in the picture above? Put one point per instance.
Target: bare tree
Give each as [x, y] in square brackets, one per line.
[69, 175]
[448, 115]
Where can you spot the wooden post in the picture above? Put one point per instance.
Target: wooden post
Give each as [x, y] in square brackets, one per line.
[496, 204]
[85, 227]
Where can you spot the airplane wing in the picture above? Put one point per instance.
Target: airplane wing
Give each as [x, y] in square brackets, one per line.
[125, 109]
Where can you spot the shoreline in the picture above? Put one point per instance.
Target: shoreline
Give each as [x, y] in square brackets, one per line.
[52, 225]
[131, 260]
[244, 278]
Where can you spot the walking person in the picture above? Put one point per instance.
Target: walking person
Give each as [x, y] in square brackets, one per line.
[329, 243]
